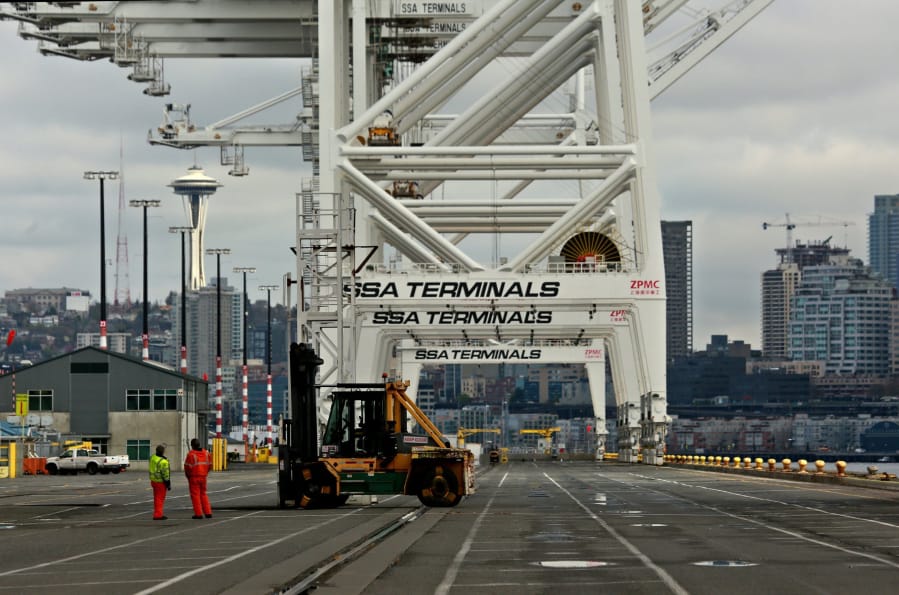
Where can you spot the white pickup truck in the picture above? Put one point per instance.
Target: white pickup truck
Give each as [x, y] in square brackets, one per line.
[74, 460]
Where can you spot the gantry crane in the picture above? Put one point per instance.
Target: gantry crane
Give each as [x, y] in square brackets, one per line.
[547, 434]
[463, 433]
[789, 226]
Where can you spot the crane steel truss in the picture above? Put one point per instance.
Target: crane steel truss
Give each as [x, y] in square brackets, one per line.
[361, 311]
[382, 284]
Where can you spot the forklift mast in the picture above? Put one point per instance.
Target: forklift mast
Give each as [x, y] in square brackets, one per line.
[302, 434]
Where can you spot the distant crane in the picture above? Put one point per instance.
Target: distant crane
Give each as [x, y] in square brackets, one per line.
[463, 433]
[789, 226]
[546, 433]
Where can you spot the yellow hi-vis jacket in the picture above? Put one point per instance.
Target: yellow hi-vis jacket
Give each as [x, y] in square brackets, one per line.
[159, 469]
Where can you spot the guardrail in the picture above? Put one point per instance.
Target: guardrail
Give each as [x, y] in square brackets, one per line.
[783, 467]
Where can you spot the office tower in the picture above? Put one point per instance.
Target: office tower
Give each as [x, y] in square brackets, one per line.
[883, 237]
[201, 327]
[778, 286]
[677, 249]
[840, 315]
[452, 382]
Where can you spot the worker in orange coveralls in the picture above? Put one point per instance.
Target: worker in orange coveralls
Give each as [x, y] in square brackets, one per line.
[196, 468]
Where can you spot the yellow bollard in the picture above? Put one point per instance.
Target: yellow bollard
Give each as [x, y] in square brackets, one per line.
[725, 462]
[718, 460]
[747, 462]
[786, 464]
[702, 459]
[819, 466]
[802, 464]
[758, 463]
[737, 461]
[841, 468]
[771, 464]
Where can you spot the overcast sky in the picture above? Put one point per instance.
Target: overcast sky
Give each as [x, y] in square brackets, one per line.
[794, 114]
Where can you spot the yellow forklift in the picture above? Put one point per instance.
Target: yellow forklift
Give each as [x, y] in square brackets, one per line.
[365, 448]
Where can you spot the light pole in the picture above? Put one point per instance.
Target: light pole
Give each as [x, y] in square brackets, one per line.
[183, 231]
[102, 176]
[268, 360]
[144, 204]
[218, 336]
[245, 414]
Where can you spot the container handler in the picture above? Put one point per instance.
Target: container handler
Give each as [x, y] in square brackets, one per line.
[365, 448]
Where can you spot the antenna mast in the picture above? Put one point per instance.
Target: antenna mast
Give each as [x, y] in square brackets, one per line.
[122, 282]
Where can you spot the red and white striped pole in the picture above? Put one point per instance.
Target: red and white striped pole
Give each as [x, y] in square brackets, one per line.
[184, 359]
[268, 409]
[246, 411]
[218, 396]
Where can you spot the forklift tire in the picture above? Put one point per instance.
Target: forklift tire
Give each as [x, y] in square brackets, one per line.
[439, 487]
[317, 490]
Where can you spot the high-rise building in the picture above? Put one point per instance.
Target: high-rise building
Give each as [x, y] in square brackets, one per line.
[677, 248]
[778, 286]
[840, 315]
[894, 337]
[202, 329]
[883, 237]
[452, 382]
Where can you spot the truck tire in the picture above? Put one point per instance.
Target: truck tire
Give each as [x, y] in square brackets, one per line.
[52, 469]
[116, 470]
[92, 468]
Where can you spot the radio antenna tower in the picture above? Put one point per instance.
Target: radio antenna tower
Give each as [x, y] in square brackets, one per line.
[122, 283]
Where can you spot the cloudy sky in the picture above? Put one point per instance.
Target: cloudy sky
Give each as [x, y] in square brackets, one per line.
[793, 115]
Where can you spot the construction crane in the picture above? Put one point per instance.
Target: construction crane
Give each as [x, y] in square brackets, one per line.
[547, 434]
[463, 433]
[790, 225]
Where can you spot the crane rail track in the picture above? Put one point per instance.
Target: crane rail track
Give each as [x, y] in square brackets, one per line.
[340, 559]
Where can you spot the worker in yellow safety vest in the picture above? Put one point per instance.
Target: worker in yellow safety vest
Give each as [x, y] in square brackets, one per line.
[160, 481]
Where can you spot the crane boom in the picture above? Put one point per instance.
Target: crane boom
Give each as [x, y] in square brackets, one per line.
[790, 225]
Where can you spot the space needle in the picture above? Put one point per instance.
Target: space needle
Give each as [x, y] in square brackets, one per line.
[196, 188]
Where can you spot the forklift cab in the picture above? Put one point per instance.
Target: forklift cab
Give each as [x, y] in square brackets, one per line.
[358, 425]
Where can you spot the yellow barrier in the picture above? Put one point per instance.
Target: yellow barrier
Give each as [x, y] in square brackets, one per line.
[8, 461]
[219, 454]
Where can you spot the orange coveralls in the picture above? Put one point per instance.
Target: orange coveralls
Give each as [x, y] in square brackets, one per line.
[196, 468]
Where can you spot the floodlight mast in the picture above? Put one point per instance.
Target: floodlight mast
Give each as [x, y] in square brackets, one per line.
[183, 230]
[245, 313]
[102, 176]
[145, 350]
[218, 336]
[268, 361]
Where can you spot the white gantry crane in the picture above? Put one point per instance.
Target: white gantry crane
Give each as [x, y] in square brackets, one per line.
[484, 189]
